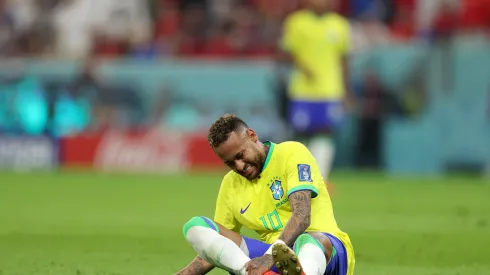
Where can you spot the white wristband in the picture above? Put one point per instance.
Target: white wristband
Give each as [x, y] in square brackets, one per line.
[269, 251]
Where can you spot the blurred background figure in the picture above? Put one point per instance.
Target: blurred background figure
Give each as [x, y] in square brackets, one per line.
[317, 41]
[375, 103]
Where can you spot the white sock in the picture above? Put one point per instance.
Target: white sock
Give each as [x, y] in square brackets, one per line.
[217, 250]
[312, 259]
[322, 148]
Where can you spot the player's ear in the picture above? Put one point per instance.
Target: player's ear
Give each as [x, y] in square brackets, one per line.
[252, 135]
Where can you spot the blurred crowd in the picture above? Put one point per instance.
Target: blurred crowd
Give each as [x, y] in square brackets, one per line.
[150, 29]
[87, 30]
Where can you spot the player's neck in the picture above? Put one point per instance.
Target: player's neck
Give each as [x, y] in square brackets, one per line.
[320, 12]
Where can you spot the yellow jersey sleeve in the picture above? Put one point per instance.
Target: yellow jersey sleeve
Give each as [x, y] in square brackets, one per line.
[223, 213]
[291, 36]
[300, 166]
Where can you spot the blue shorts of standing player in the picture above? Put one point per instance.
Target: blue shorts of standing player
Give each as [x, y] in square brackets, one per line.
[336, 266]
[314, 123]
[311, 117]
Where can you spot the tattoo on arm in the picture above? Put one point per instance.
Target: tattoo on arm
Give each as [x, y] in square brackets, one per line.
[197, 267]
[300, 220]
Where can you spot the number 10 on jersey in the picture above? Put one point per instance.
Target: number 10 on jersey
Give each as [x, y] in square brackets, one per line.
[272, 221]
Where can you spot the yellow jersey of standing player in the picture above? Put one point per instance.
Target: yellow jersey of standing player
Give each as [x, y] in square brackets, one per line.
[319, 42]
[262, 205]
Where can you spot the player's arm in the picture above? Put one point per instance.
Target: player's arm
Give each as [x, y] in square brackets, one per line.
[345, 49]
[290, 44]
[349, 95]
[301, 189]
[292, 58]
[346, 71]
[300, 219]
[197, 267]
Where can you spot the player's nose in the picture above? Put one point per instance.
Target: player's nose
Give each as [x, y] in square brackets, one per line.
[240, 165]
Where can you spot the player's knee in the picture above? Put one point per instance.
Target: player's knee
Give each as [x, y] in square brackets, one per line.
[200, 221]
[304, 239]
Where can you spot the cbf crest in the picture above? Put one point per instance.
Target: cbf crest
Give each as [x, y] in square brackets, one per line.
[276, 189]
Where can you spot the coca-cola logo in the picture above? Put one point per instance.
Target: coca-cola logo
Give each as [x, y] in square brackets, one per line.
[150, 151]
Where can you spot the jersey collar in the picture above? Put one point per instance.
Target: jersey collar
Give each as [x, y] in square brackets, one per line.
[269, 154]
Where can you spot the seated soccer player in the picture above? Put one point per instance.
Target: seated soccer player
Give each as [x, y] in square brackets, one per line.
[278, 191]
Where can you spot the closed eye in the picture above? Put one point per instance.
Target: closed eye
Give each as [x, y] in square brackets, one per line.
[238, 156]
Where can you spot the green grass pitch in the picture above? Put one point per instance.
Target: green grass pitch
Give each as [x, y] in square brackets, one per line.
[86, 223]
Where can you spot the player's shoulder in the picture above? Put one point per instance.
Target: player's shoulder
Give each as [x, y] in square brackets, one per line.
[339, 19]
[288, 147]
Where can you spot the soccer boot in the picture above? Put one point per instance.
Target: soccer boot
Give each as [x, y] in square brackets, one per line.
[286, 260]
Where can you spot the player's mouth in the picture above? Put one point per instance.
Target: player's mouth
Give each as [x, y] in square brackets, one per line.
[248, 171]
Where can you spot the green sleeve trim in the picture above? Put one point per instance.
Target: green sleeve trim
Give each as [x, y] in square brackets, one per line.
[313, 189]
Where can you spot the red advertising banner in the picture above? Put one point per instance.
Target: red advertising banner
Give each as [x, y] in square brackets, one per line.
[79, 150]
[139, 151]
[200, 155]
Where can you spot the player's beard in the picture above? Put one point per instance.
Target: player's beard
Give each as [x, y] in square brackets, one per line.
[257, 165]
[252, 169]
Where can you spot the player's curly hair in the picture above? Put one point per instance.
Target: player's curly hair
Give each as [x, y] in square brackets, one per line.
[220, 130]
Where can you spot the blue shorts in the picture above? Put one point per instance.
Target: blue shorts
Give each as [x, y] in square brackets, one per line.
[336, 266]
[312, 117]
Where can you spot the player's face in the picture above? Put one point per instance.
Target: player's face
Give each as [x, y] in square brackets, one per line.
[243, 153]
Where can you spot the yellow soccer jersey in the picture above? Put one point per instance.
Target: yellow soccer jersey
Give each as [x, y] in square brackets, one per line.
[319, 42]
[262, 205]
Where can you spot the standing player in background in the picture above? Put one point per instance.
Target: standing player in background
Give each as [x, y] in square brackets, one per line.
[277, 191]
[316, 41]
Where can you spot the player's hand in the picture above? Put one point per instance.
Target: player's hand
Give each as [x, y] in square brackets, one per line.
[308, 74]
[259, 265]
